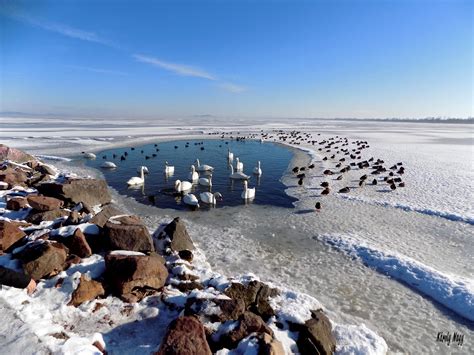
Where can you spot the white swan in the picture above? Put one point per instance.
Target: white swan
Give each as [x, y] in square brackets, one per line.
[169, 169]
[257, 170]
[193, 175]
[205, 181]
[145, 169]
[239, 166]
[210, 198]
[230, 155]
[191, 200]
[238, 175]
[89, 156]
[108, 165]
[203, 167]
[248, 194]
[181, 186]
[137, 180]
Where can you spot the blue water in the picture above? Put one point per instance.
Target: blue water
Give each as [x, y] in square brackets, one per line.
[158, 189]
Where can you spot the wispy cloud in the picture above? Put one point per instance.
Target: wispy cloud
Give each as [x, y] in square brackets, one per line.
[180, 69]
[97, 70]
[232, 87]
[187, 70]
[60, 29]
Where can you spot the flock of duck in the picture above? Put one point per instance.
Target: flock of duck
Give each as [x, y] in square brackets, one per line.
[345, 156]
[200, 174]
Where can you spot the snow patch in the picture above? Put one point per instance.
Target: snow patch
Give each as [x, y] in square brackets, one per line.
[453, 292]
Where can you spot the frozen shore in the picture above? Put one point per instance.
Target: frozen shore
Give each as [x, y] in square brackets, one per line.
[304, 262]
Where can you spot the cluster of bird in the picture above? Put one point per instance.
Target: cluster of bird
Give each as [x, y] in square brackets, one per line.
[345, 154]
[337, 150]
[184, 187]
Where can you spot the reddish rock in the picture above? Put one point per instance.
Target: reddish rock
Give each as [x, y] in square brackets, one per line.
[87, 290]
[77, 244]
[73, 218]
[88, 191]
[316, 335]
[9, 235]
[16, 203]
[186, 335]
[180, 239]
[109, 210]
[248, 323]
[43, 259]
[38, 217]
[42, 203]
[128, 233]
[129, 274]
[7, 153]
[13, 177]
[268, 345]
[186, 255]
[255, 296]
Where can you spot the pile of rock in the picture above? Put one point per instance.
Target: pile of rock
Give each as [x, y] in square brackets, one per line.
[64, 220]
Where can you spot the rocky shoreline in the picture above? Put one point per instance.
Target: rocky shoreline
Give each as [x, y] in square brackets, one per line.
[52, 222]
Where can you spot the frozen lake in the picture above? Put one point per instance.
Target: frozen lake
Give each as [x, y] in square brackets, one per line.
[400, 262]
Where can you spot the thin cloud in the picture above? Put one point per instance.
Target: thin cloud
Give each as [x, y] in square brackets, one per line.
[232, 87]
[61, 29]
[97, 70]
[180, 69]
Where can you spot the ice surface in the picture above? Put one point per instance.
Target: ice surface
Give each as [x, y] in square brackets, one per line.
[438, 159]
[453, 292]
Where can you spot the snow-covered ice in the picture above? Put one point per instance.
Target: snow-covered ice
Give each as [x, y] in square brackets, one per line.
[425, 229]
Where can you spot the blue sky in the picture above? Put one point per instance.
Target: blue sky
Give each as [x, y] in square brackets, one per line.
[237, 58]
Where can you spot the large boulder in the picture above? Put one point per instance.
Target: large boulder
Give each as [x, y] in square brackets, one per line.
[248, 323]
[180, 239]
[42, 203]
[128, 233]
[7, 153]
[268, 345]
[108, 211]
[255, 296]
[316, 335]
[43, 259]
[13, 177]
[38, 217]
[186, 335]
[9, 235]
[89, 191]
[131, 275]
[87, 290]
[76, 243]
[16, 203]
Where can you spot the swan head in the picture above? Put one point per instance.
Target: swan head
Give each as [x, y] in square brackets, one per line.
[177, 183]
[193, 168]
[246, 184]
[218, 196]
